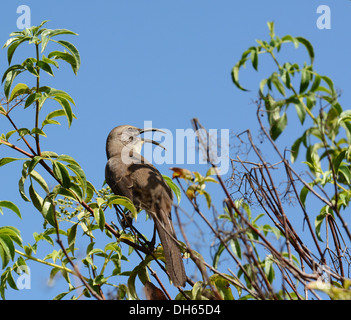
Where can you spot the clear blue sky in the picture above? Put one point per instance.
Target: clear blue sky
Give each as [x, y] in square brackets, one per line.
[163, 61]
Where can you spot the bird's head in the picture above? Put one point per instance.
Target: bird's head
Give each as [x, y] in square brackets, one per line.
[129, 137]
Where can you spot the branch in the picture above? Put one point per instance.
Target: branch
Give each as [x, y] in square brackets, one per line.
[37, 103]
[16, 148]
[76, 269]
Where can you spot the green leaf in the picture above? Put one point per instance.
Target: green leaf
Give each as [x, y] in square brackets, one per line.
[61, 173]
[222, 286]
[18, 90]
[289, 38]
[334, 290]
[235, 246]
[208, 198]
[312, 158]
[48, 33]
[337, 161]
[303, 194]
[65, 56]
[33, 163]
[68, 193]
[308, 46]
[35, 30]
[16, 67]
[10, 77]
[345, 116]
[235, 75]
[31, 98]
[75, 190]
[300, 109]
[316, 82]
[71, 235]
[28, 64]
[67, 109]
[53, 114]
[48, 210]
[9, 278]
[11, 206]
[2, 109]
[22, 180]
[9, 134]
[285, 76]
[268, 268]
[46, 67]
[4, 161]
[270, 25]
[23, 131]
[53, 62]
[295, 149]
[9, 41]
[49, 154]
[174, 187]
[305, 80]
[131, 284]
[90, 192]
[261, 88]
[45, 207]
[41, 181]
[67, 158]
[278, 126]
[345, 171]
[6, 249]
[278, 84]
[318, 223]
[44, 42]
[217, 255]
[12, 48]
[52, 92]
[210, 179]
[36, 198]
[13, 233]
[80, 175]
[99, 216]
[254, 58]
[53, 33]
[329, 83]
[72, 49]
[38, 131]
[61, 295]
[124, 201]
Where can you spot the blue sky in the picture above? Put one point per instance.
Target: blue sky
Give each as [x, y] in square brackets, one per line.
[165, 62]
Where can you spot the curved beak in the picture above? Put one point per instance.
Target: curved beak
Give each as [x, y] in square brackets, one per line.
[149, 140]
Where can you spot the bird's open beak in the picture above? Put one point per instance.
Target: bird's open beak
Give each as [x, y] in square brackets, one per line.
[149, 140]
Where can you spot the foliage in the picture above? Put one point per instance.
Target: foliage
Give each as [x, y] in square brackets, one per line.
[73, 205]
[268, 258]
[326, 141]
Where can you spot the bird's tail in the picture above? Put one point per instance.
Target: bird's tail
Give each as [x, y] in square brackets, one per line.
[174, 261]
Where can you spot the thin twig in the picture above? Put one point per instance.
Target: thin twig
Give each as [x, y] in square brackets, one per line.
[76, 269]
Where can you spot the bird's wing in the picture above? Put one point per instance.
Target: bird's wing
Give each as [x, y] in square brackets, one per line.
[115, 176]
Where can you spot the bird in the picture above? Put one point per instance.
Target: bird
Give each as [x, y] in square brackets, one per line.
[130, 175]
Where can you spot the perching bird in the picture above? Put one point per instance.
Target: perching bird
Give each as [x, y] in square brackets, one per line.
[129, 174]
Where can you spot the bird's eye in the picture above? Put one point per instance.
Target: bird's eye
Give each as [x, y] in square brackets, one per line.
[130, 128]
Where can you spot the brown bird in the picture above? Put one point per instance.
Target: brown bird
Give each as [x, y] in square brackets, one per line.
[129, 174]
